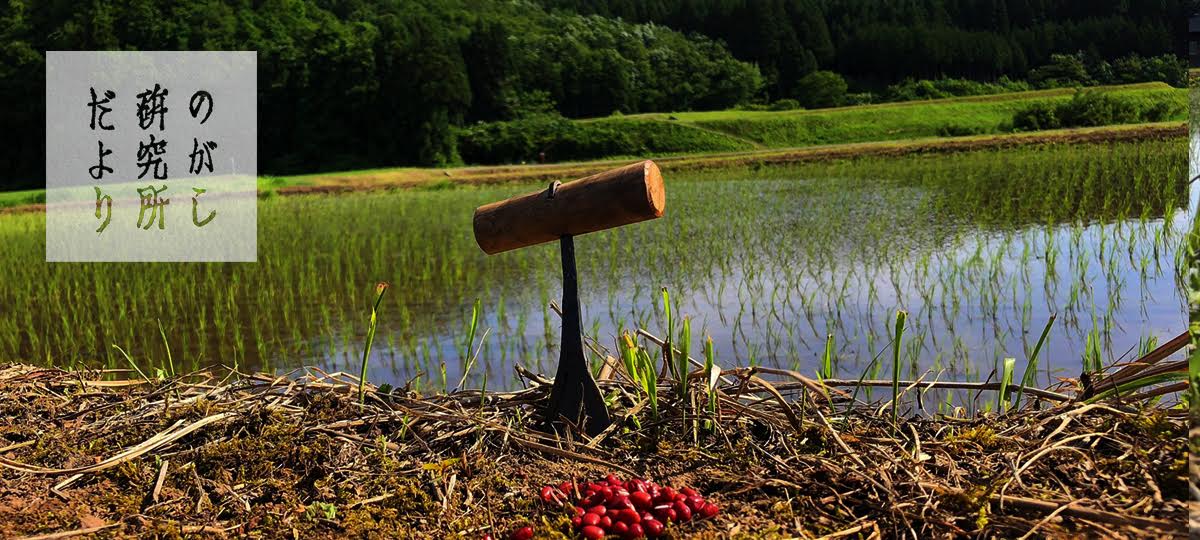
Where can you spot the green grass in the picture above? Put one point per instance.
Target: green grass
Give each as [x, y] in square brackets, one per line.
[22, 198]
[889, 122]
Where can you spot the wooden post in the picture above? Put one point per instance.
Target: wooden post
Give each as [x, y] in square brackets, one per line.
[610, 199]
[602, 201]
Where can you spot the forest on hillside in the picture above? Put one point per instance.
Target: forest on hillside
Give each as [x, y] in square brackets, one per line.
[351, 83]
[878, 42]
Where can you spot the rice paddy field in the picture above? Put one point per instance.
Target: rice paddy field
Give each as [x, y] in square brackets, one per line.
[800, 267]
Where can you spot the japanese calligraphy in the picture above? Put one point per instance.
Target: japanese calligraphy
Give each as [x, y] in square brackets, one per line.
[133, 135]
[152, 157]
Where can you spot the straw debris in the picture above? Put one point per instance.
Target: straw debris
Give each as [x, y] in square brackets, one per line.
[225, 454]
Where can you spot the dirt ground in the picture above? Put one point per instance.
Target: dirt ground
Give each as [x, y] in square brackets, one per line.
[216, 455]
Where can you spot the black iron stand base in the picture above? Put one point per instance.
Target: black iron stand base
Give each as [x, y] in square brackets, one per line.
[575, 397]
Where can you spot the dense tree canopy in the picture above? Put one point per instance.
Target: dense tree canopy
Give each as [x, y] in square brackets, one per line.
[352, 83]
[874, 43]
[356, 83]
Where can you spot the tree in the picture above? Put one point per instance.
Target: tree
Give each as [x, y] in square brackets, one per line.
[486, 54]
[821, 89]
[1063, 70]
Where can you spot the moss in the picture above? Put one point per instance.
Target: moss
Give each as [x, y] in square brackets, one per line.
[983, 436]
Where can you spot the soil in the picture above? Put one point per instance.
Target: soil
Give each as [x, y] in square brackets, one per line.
[221, 454]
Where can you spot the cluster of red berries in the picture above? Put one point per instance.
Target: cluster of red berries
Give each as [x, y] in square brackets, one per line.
[630, 509]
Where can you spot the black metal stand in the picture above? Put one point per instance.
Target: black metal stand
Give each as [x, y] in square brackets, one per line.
[575, 396]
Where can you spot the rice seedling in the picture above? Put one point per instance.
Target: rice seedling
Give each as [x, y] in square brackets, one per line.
[1093, 355]
[380, 288]
[667, 351]
[712, 373]
[132, 363]
[1029, 377]
[827, 369]
[468, 358]
[170, 361]
[681, 365]
[1006, 377]
[901, 317]
[649, 377]
[797, 253]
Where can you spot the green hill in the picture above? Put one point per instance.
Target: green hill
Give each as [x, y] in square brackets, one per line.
[658, 134]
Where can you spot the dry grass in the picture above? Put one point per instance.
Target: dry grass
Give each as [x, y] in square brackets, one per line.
[297, 456]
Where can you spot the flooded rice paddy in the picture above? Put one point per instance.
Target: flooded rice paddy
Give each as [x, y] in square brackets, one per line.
[979, 248]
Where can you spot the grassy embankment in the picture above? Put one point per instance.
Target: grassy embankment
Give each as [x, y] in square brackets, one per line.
[714, 139]
[974, 115]
[662, 134]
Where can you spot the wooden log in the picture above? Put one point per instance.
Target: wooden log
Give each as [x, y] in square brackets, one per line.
[609, 199]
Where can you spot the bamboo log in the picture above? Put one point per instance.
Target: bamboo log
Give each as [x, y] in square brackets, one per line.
[609, 199]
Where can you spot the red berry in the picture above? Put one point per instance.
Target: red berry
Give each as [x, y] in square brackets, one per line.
[689, 492]
[612, 479]
[606, 522]
[620, 528]
[696, 503]
[635, 531]
[641, 500]
[592, 532]
[619, 501]
[653, 528]
[668, 493]
[547, 494]
[579, 511]
[577, 521]
[683, 511]
[524, 533]
[599, 510]
[629, 516]
[590, 519]
[709, 510]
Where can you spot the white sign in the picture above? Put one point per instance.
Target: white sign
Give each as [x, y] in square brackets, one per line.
[151, 156]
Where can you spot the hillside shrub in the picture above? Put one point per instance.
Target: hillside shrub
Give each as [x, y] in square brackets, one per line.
[785, 105]
[960, 130]
[821, 89]
[561, 139]
[1036, 116]
[1091, 108]
[912, 89]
